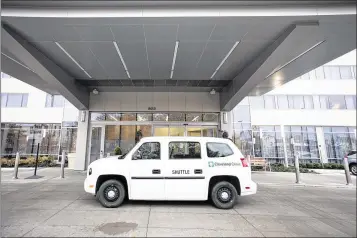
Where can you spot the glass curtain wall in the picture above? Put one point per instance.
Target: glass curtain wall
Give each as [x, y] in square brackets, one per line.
[339, 141]
[158, 124]
[24, 138]
[268, 143]
[305, 144]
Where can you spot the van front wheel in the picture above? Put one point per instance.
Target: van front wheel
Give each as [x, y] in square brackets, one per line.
[111, 193]
[224, 195]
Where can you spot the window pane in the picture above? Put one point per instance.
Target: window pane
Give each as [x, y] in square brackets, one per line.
[332, 72]
[58, 101]
[148, 151]
[215, 150]
[337, 102]
[296, 102]
[48, 101]
[24, 100]
[323, 102]
[350, 102]
[269, 102]
[112, 139]
[144, 117]
[309, 104]
[69, 139]
[177, 116]
[312, 74]
[3, 99]
[128, 117]
[346, 72]
[210, 117]
[283, 102]
[161, 117]
[194, 117]
[256, 102]
[127, 138]
[112, 117]
[95, 116]
[184, 150]
[146, 130]
[14, 100]
[320, 74]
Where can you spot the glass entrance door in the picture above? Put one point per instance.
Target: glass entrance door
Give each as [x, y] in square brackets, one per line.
[96, 143]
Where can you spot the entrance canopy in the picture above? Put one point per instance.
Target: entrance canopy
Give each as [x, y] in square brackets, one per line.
[237, 49]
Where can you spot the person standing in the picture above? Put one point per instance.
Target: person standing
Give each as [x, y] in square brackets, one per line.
[138, 136]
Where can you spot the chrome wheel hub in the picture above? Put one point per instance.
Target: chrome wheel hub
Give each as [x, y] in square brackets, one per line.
[224, 195]
[111, 194]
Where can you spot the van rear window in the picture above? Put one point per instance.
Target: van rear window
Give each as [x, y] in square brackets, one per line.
[215, 150]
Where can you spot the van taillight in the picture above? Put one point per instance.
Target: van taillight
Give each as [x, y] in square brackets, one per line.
[244, 162]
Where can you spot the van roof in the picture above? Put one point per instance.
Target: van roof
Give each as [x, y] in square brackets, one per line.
[183, 138]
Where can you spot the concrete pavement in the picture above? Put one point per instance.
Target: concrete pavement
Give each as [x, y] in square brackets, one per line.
[56, 207]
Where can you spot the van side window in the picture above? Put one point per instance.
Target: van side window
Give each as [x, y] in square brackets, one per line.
[184, 150]
[215, 150]
[147, 151]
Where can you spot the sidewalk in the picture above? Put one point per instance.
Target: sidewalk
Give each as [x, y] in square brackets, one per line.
[307, 179]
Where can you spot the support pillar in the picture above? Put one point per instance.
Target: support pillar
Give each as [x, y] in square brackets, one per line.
[82, 141]
[227, 123]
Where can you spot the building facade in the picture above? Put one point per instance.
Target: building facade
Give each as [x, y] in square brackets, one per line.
[30, 117]
[313, 116]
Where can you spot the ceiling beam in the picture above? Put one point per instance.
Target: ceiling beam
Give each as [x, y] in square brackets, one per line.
[251, 75]
[45, 68]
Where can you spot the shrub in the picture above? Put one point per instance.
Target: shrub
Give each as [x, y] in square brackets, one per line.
[117, 151]
[43, 161]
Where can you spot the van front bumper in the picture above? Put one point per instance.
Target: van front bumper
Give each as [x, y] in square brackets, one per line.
[89, 185]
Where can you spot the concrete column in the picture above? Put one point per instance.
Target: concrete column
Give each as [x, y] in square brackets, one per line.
[82, 141]
[227, 123]
[321, 143]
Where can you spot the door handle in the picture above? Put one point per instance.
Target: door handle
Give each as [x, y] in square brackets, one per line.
[198, 171]
[156, 171]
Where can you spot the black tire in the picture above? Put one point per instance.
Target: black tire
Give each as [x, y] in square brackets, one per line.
[353, 169]
[217, 195]
[111, 193]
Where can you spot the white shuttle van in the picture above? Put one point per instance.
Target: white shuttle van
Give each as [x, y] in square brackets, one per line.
[173, 168]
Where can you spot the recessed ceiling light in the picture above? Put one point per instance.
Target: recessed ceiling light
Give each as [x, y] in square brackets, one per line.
[70, 56]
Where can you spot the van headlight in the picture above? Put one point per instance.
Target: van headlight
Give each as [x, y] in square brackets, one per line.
[90, 171]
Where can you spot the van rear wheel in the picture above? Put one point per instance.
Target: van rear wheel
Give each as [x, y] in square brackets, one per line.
[111, 193]
[224, 195]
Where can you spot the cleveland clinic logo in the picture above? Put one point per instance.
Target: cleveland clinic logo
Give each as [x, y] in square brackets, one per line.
[215, 164]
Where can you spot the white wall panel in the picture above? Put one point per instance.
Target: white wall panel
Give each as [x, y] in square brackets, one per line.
[163, 101]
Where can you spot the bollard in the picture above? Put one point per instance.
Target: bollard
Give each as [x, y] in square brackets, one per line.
[297, 169]
[36, 162]
[347, 171]
[63, 161]
[16, 168]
